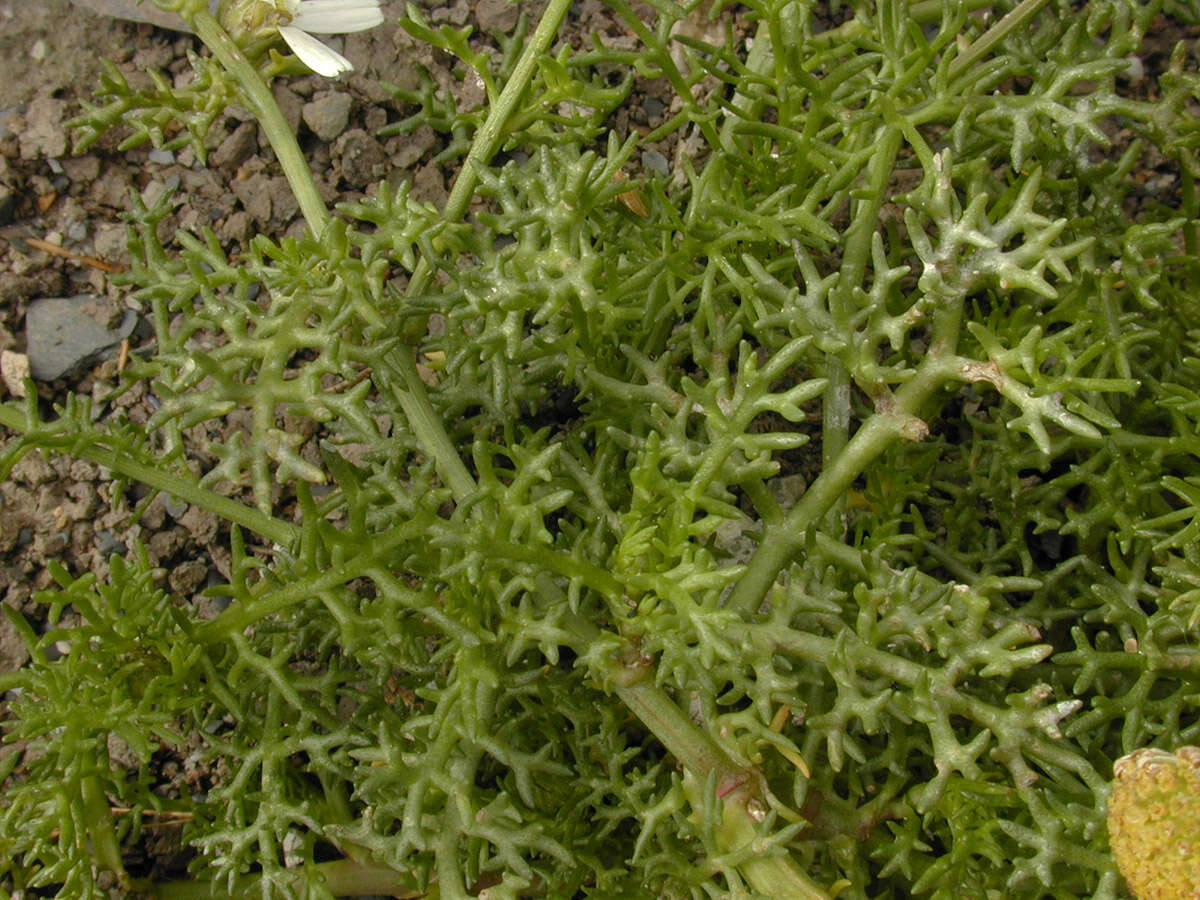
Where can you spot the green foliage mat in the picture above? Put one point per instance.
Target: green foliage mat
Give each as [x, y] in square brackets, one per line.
[817, 519]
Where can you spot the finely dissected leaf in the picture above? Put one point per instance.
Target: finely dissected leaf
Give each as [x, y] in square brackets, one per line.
[821, 523]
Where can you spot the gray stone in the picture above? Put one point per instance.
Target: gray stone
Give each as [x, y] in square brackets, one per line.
[328, 114]
[361, 156]
[134, 11]
[284, 205]
[238, 147]
[107, 544]
[255, 196]
[11, 121]
[290, 103]
[236, 227]
[496, 15]
[653, 161]
[44, 135]
[407, 149]
[13, 652]
[65, 334]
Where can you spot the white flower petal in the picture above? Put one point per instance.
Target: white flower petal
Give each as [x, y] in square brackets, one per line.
[337, 16]
[314, 54]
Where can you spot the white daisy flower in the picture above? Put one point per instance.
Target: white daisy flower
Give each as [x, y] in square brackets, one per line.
[297, 20]
[326, 17]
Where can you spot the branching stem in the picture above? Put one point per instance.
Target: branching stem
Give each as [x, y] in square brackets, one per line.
[896, 419]
[995, 35]
[410, 392]
[342, 877]
[112, 458]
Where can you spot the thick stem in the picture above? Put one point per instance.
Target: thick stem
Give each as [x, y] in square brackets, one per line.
[106, 848]
[410, 392]
[995, 35]
[487, 139]
[262, 103]
[739, 789]
[343, 878]
[835, 430]
[776, 877]
[898, 421]
[112, 458]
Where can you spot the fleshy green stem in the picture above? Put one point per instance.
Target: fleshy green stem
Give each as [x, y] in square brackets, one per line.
[835, 407]
[895, 420]
[262, 103]
[343, 877]
[410, 391]
[776, 877]
[995, 35]
[106, 848]
[112, 458]
[487, 140]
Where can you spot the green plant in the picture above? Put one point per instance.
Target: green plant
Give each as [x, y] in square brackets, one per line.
[827, 530]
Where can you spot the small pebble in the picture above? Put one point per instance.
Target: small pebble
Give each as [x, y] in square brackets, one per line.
[63, 335]
[14, 369]
[162, 157]
[174, 507]
[328, 114]
[654, 161]
[107, 543]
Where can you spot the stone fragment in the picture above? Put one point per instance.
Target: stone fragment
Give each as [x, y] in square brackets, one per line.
[236, 227]
[362, 157]
[138, 12]
[407, 149]
[290, 103]
[284, 205]
[108, 241]
[237, 148]
[112, 188]
[11, 122]
[82, 169]
[327, 114]
[429, 186]
[43, 136]
[13, 652]
[14, 369]
[255, 194]
[65, 334]
[496, 15]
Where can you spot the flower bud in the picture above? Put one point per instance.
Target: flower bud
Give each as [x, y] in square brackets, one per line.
[1154, 822]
